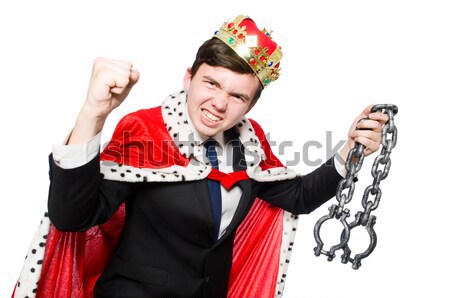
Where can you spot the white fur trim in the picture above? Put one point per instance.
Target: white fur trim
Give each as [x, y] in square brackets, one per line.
[117, 172]
[289, 228]
[28, 280]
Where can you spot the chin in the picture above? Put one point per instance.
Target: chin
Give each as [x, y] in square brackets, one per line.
[208, 132]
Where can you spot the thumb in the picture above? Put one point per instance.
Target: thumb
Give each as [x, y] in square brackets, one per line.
[367, 110]
[134, 78]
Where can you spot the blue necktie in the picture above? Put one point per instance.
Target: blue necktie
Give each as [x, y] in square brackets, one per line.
[214, 186]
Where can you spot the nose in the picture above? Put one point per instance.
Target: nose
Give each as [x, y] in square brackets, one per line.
[220, 101]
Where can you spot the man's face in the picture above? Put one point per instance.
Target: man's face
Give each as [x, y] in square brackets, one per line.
[218, 98]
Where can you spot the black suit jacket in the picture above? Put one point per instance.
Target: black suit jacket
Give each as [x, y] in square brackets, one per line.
[167, 248]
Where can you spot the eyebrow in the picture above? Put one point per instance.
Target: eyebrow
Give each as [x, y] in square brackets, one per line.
[235, 94]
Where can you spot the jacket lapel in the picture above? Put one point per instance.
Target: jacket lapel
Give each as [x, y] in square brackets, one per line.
[205, 203]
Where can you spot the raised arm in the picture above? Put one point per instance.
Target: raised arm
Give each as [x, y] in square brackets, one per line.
[79, 197]
[111, 82]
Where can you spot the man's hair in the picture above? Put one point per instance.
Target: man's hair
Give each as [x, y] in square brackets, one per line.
[216, 53]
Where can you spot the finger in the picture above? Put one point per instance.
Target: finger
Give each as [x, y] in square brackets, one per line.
[115, 81]
[124, 85]
[369, 144]
[368, 151]
[124, 64]
[367, 134]
[114, 70]
[125, 90]
[121, 80]
[380, 117]
[366, 112]
[369, 124]
[134, 78]
[118, 90]
[369, 138]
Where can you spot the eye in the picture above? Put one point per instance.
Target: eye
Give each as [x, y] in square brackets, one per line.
[210, 83]
[239, 97]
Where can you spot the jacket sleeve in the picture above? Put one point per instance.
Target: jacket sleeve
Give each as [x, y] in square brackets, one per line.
[80, 198]
[302, 194]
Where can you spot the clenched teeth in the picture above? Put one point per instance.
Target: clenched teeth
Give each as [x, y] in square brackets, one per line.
[210, 116]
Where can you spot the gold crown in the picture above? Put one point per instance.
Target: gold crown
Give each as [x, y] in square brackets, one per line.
[253, 48]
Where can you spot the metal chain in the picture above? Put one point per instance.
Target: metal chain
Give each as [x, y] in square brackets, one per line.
[346, 189]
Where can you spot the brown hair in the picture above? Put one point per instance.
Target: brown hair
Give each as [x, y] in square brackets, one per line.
[216, 53]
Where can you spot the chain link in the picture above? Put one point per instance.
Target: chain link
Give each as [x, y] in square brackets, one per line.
[371, 197]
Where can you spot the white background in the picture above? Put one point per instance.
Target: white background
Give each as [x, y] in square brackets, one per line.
[340, 56]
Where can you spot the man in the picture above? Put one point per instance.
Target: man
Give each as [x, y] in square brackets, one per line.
[156, 184]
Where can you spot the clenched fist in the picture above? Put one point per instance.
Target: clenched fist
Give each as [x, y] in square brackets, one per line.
[366, 129]
[111, 82]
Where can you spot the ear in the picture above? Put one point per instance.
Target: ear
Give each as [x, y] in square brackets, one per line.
[255, 95]
[252, 104]
[187, 79]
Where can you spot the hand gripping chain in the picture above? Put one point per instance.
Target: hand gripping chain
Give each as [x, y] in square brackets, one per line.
[380, 171]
